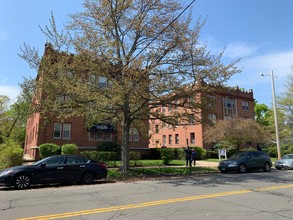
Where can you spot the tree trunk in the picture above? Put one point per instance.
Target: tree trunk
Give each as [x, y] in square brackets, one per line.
[125, 147]
[125, 136]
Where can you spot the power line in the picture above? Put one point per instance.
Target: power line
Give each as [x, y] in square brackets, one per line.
[162, 31]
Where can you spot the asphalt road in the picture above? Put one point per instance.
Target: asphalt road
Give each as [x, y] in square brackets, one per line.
[253, 196]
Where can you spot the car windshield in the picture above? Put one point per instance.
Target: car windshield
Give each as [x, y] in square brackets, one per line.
[289, 156]
[239, 155]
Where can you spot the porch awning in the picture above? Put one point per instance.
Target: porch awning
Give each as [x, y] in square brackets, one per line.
[102, 127]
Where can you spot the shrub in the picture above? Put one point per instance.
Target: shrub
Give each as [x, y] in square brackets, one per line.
[179, 154]
[167, 154]
[248, 149]
[200, 153]
[134, 156]
[109, 146]
[108, 156]
[69, 149]
[272, 151]
[212, 154]
[93, 155]
[155, 154]
[228, 146]
[49, 149]
[286, 152]
[10, 155]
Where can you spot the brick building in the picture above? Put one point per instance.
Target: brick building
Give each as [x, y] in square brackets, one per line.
[227, 103]
[45, 128]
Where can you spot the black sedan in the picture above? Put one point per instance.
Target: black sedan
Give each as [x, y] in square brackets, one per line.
[54, 169]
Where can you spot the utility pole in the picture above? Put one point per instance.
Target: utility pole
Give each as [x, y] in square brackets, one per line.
[275, 115]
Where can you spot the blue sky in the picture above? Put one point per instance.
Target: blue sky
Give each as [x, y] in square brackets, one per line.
[257, 31]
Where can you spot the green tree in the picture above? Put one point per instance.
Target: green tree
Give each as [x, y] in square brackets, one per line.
[13, 119]
[262, 114]
[4, 106]
[144, 49]
[237, 132]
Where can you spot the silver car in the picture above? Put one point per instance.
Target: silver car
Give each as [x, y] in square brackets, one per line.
[285, 162]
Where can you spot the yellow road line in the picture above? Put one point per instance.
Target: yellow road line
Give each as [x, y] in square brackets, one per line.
[152, 203]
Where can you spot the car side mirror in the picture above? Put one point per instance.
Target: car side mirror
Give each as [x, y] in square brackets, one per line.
[43, 165]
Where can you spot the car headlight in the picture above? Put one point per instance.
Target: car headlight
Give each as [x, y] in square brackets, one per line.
[6, 173]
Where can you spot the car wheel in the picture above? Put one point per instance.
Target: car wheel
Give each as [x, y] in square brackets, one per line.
[22, 181]
[267, 167]
[87, 178]
[242, 168]
[278, 168]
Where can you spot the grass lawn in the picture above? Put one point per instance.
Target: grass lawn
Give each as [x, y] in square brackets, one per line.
[143, 169]
[149, 172]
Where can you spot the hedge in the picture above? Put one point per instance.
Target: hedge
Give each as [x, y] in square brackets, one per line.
[69, 149]
[49, 149]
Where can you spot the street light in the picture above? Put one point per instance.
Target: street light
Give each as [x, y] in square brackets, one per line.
[275, 113]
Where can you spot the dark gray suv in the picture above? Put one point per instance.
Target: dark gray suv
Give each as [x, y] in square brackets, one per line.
[246, 160]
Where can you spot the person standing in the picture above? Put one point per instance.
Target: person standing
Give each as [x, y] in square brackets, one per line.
[193, 156]
[188, 156]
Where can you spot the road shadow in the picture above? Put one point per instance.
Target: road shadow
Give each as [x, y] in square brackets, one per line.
[56, 185]
[215, 179]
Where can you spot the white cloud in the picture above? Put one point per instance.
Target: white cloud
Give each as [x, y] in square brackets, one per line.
[3, 35]
[241, 49]
[234, 50]
[280, 62]
[11, 91]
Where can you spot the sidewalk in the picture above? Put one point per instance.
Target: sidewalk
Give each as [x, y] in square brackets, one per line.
[201, 163]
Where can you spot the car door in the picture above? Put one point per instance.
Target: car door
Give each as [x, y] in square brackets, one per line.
[257, 160]
[250, 160]
[51, 170]
[74, 167]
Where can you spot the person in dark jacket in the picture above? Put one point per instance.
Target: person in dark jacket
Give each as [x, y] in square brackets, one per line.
[188, 156]
[193, 157]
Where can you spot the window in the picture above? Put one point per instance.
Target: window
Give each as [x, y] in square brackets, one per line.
[63, 101]
[164, 140]
[99, 81]
[245, 106]
[176, 138]
[229, 108]
[62, 130]
[102, 81]
[212, 118]
[191, 119]
[57, 130]
[157, 128]
[55, 161]
[100, 135]
[192, 138]
[211, 100]
[170, 139]
[76, 160]
[66, 130]
[133, 135]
